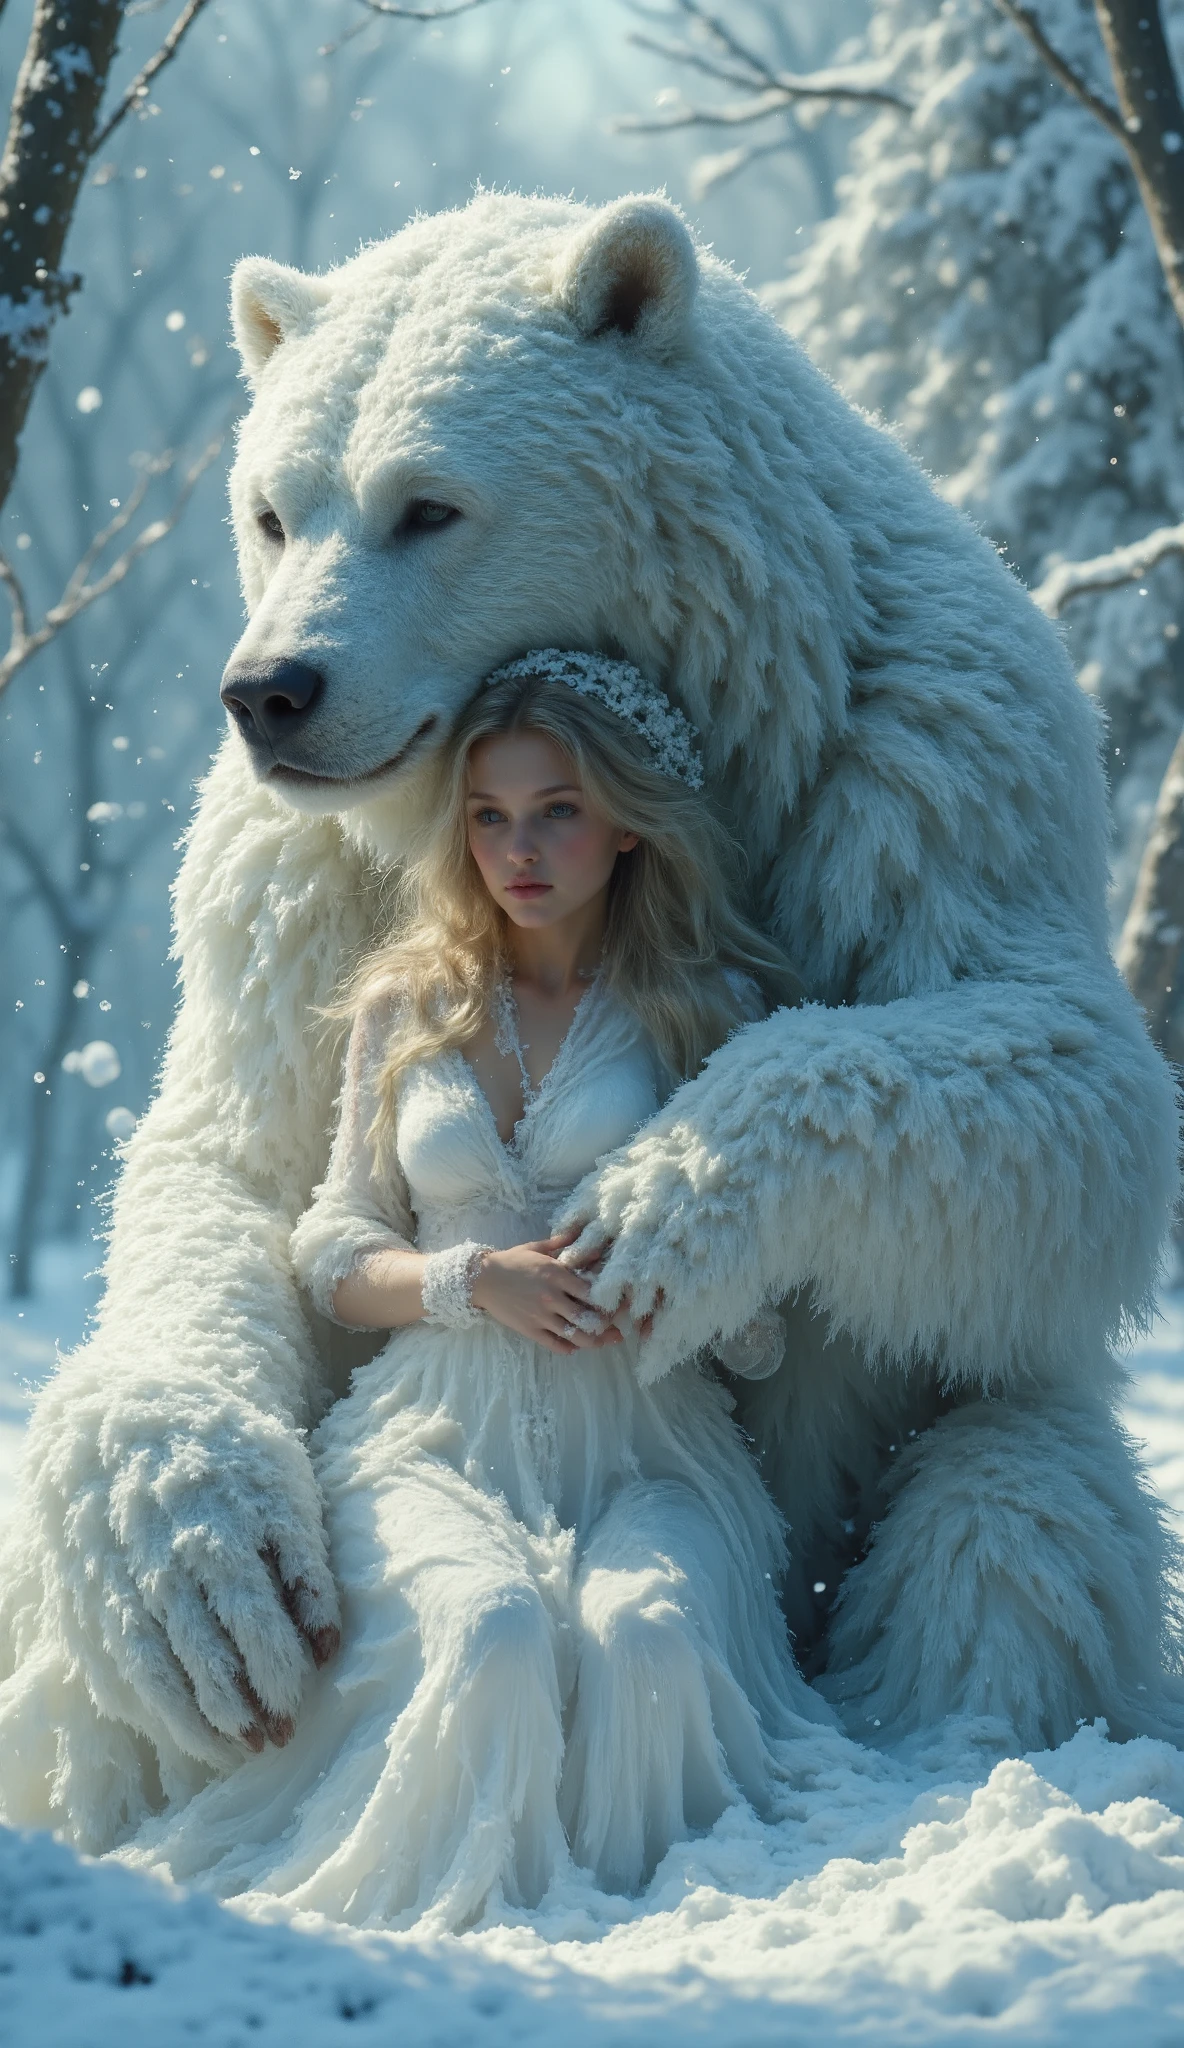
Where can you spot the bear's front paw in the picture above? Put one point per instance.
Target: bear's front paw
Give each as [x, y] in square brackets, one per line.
[619, 1212]
[191, 1551]
[228, 1552]
[654, 1219]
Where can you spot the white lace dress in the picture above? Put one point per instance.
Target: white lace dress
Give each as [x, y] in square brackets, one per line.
[561, 1635]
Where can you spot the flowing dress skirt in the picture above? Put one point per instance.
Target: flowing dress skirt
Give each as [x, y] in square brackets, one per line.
[561, 1643]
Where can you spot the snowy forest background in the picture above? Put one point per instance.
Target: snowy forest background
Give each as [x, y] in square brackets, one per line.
[953, 236]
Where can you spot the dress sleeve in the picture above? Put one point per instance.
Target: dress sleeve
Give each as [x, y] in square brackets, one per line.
[356, 1210]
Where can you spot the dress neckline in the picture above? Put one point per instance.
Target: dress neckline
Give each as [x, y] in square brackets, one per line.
[508, 1040]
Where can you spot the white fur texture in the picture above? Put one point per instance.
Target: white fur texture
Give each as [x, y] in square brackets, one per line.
[962, 1156]
[560, 1587]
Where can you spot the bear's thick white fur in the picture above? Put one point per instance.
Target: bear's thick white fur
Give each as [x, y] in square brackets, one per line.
[958, 1160]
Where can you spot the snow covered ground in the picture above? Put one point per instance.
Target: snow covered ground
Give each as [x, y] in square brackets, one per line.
[943, 1898]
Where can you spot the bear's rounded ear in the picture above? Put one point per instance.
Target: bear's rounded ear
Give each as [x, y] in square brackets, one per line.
[634, 270]
[269, 303]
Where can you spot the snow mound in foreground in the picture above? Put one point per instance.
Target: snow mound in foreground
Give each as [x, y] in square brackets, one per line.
[943, 1897]
[935, 1901]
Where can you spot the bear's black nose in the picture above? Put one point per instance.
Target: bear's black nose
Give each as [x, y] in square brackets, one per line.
[269, 700]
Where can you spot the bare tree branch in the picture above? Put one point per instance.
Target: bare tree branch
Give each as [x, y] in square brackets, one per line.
[769, 91]
[1107, 572]
[753, 74]
[722, 36]
[138, 89]
[754, 70]
[757, 109]
[1153, 124]
[856, 82]
[393, 7]
[1025, 20]
[81, 591]
[1148, 121]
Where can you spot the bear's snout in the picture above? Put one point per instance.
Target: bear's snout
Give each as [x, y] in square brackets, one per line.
[270, 700]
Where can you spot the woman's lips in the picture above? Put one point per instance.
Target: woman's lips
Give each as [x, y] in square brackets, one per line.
[528, 888]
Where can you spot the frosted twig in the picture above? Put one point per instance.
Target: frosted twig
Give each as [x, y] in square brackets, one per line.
[1107, 572]
[80, 591]
[138, 89]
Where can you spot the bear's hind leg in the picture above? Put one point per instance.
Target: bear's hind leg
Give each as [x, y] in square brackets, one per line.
[1019, 1572]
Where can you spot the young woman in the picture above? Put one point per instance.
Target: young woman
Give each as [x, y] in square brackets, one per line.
[561, 1638]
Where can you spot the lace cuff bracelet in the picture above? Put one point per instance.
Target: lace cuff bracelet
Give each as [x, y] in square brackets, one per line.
[448, 1278]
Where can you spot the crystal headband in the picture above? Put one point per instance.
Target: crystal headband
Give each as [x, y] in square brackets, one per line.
[623, 690]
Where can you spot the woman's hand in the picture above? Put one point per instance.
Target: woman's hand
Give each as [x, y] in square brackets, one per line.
[591, 1262]
[528, 1291]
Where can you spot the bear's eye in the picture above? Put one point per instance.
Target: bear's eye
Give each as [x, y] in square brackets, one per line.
[423, 513]
[271, 524]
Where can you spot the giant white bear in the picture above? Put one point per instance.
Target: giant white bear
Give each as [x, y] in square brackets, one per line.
[529, 423]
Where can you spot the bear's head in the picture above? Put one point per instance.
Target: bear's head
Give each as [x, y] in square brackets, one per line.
[530, 423]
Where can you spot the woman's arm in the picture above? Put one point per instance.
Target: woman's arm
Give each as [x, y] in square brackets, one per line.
[383, 1290]
[360, 1213]
[353, 1247]
[524, 1289]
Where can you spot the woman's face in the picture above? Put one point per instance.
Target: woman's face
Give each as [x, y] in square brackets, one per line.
[544, 853]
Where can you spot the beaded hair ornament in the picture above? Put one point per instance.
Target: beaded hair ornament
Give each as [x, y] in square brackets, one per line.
[623, 690]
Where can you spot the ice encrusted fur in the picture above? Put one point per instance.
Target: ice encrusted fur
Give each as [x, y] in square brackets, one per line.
[958, 1160]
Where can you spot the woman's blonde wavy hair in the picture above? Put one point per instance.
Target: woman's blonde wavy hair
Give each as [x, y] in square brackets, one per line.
[675, 929]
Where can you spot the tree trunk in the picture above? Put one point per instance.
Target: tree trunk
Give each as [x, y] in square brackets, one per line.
[1151, 949]
[50, 139]
[1153, 121]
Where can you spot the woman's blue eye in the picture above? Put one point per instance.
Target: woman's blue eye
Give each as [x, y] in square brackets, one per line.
[488, 817]
[562, 810]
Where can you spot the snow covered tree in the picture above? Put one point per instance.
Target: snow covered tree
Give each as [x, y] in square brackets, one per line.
[991, 285]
